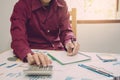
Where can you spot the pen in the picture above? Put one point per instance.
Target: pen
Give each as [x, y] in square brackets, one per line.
[96, 70]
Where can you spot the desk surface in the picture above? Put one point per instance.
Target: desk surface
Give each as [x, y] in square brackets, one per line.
[60, 72]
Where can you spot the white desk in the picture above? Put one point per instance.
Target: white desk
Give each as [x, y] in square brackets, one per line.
[60, 72]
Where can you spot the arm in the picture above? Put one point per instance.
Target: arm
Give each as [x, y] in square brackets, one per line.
[66, 33]
[67, 37]
[18, 19]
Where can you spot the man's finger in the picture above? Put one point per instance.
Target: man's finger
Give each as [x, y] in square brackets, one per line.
[42, 59]
[36, 58]
[70, 47]
[48, 61]
[67, 47]
[76, 48]
[70, 54]
[30, 59]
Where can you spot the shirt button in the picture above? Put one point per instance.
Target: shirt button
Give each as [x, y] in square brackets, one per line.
[48, 31]
[53, 45]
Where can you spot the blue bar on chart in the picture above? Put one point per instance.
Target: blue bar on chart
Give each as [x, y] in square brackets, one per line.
[11, 65]
[102, 72]
[3, 64]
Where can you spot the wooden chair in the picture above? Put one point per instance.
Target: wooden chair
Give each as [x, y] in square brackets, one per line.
[73, 20]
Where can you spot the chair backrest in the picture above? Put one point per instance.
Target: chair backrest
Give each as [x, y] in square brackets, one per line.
[73, 20]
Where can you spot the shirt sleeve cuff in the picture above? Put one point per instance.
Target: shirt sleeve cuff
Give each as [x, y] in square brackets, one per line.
[23, 54]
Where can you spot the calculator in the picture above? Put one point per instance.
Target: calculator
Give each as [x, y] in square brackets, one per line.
[39, 70]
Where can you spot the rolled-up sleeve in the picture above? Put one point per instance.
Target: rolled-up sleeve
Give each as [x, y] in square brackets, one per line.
[18, 31]
[65, 27]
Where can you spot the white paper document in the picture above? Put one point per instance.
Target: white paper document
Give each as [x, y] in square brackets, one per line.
[63, 58]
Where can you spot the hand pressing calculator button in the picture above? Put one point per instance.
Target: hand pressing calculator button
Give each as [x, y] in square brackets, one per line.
[39, 70]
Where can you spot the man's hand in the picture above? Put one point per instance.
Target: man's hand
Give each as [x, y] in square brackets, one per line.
[38, 58]
[72, 47]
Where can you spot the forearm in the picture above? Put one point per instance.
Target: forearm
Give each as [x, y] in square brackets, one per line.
[20, 49]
